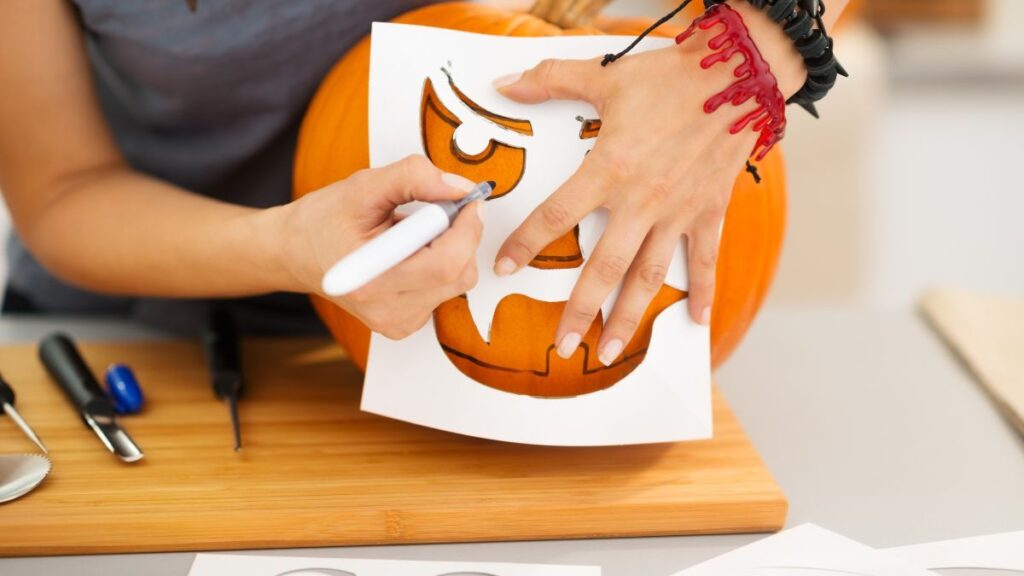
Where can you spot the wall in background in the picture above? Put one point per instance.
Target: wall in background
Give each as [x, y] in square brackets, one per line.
[948, 192]
[825, 259]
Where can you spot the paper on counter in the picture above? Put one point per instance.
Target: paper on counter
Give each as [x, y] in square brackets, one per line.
[666, 398]
[807, 550]
[241, 565]
[993, 552]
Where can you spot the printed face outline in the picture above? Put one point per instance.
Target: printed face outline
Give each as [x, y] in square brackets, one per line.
[509, 346]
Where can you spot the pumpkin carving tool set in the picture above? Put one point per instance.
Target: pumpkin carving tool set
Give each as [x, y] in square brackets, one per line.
[20, 474]
[7, 407]
[223, 356]
[67, 368]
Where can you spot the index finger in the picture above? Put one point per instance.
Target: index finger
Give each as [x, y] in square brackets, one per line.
[563, 210]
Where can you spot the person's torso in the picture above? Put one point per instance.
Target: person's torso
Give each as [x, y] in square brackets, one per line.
[210, 100]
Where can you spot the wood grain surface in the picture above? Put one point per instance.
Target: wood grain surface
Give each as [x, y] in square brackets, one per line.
[315, 471]
[987, 333]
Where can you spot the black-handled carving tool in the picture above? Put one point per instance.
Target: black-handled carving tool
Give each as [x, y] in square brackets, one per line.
[224, 357]
[67, 368]
[7, 407]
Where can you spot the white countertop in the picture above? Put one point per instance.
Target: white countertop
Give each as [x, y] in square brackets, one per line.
[871, 427]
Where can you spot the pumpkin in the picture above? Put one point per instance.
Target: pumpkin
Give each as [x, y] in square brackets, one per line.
[333, 143]
[513, 359]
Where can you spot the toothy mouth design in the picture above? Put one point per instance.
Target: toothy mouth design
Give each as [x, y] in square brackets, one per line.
[520, 356]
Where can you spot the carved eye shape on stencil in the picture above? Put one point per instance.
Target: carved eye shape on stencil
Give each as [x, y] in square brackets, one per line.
[523, 127]
[502, 163]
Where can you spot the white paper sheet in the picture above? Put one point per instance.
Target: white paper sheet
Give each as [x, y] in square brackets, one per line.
[240, 565]
[667, 398]
[993, 552]
[807, 550]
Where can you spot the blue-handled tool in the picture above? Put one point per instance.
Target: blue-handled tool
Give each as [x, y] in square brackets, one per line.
[123, 389]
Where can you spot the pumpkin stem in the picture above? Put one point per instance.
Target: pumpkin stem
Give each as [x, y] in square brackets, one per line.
[568, 13]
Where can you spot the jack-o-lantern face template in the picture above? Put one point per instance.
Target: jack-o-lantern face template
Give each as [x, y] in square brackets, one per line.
[506, 340]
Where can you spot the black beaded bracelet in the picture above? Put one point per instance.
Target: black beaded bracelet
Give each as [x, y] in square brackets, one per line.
[798, 19]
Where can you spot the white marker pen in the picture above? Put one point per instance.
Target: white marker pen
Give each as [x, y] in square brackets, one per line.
[397, 243]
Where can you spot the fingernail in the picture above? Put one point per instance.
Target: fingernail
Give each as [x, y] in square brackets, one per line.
[610, 352]
[456, 181]
[570, 342]
[705, 316]
[504, 267]
[507, 80]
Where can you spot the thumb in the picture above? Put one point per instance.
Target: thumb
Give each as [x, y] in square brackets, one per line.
[558, 79]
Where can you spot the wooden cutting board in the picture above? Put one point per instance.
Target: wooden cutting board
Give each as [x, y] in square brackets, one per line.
[987, 333]
[315, 471]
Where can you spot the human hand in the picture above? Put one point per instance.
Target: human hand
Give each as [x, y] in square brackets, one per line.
[662, 167]
[323, 226]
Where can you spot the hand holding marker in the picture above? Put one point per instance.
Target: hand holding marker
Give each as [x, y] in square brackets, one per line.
[397, 243]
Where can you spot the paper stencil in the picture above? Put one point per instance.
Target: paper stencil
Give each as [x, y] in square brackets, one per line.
[807, 550]
[991, 552]
[485, 365]
[240, 565]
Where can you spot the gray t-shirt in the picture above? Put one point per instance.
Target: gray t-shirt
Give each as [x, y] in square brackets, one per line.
[209, 100]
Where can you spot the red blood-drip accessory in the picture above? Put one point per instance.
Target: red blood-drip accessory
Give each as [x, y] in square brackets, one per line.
[754, 77]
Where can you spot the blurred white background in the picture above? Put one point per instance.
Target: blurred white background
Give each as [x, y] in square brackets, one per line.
[914, 176]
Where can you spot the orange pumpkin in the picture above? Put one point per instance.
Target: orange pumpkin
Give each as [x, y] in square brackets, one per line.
[513, 358]
[333, 144]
